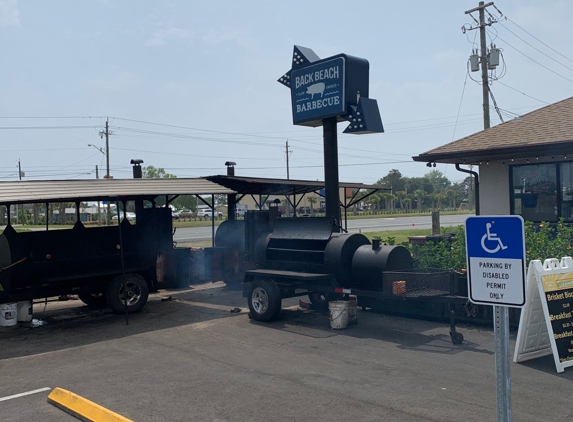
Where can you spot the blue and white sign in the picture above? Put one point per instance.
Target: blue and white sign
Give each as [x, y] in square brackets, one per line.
[495, 248]
[317, 91]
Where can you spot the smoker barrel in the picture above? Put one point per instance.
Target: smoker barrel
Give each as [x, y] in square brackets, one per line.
[369, 263]
[338, 255]
[296, 244]
[231, 234]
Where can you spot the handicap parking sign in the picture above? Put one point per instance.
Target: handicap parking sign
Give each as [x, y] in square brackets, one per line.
[495, 248]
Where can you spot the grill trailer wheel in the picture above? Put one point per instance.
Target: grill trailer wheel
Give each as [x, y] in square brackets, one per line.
[264, 300]
[93, 300]
[320, 301]
[137, 293]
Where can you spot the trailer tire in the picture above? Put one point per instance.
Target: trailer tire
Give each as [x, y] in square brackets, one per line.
[264, 300]
[93, 300]
[137, 293]
[320, 301]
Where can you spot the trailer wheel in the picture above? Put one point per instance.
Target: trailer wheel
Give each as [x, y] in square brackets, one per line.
[93, 300]
[137, 293]
[457, 338]
[264, 300]
[320, 301]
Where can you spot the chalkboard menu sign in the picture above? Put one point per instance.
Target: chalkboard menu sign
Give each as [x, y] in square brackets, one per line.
[546, 322]
[558, 289]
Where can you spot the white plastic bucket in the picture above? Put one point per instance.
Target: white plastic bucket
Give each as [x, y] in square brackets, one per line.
[338, 314]
[24, 311]
[352, 311]
[8, 313]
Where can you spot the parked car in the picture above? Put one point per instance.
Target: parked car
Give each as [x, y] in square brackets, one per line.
[174, 215]
[206, 213]
[187, 214]
[130, 216]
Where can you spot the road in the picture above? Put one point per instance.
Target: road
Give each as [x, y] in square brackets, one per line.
[191, 234]
[190, 359]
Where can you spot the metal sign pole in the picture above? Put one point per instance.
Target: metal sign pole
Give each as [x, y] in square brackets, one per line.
[502, 360]
[332, 197]
[495, 248]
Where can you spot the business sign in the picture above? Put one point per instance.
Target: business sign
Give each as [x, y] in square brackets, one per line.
[318, 91]
[495, 248]
[546, 322]
[336, 86]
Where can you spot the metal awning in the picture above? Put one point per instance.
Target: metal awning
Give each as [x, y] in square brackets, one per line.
[266, 186]
[39, 191]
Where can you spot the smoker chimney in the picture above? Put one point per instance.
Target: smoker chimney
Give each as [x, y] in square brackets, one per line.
[375, 244]
[137, 173]
[231, 199]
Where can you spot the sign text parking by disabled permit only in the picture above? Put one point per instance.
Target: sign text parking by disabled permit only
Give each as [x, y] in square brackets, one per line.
[495, 248]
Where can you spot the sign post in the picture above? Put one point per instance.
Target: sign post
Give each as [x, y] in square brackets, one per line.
[324, 92]
[495, 248]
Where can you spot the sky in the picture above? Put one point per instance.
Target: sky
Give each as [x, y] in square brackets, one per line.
[188, 85]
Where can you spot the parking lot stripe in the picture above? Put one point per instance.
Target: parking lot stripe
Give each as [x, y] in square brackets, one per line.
[27, 393]
[82, 408]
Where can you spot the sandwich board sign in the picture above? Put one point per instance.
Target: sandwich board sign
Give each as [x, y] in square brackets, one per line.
[495, 248]
[546, 322]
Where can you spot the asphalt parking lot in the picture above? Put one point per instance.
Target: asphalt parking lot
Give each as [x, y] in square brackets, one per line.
[191, 359]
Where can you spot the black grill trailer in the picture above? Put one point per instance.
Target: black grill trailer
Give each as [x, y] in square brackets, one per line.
[305, 256]
[89, 262]
[114, 264]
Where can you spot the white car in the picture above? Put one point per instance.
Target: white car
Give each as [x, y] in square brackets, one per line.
[130, 216]
[208, 214]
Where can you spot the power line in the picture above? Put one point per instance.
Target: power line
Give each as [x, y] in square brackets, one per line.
[531, 35]
[535, 61]
[532, 46]
[537, 99]
[50, 117]
[47, 127]
[460, 106]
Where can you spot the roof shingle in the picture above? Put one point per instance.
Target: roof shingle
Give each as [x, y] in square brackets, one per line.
[547, 129]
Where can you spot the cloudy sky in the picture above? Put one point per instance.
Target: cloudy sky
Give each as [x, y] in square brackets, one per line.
[188, 85]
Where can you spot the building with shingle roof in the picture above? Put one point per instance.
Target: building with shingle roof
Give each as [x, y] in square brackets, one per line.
[525, 164]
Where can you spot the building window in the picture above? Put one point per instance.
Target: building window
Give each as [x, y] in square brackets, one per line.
[567, 191]
[535, 195]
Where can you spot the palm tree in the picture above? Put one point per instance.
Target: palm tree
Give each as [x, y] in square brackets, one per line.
[420, 194]
[311, 201]
[401, 195]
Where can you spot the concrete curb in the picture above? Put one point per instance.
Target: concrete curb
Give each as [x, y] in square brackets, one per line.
[81, 408]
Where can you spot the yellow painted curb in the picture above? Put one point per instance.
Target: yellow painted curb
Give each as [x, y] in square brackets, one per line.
[81, 408]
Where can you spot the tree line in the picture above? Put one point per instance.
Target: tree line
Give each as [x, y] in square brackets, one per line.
[431, 191]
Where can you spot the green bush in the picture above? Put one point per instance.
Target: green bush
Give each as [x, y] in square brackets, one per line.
[445, 254]
[542, 241]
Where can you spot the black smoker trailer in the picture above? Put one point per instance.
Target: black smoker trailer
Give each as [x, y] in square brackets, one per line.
[115, 264]
[305, 256]
[89, 262]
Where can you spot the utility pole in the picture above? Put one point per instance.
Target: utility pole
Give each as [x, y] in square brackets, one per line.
[483, 59]
[107, 147]
[288, 153]
[98, 202]
[20, 177]
[501, 313]
[107, 176]
[483, 62]
[107, 169]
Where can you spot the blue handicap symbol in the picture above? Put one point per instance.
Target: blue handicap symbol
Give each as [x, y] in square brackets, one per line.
[490, 238]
